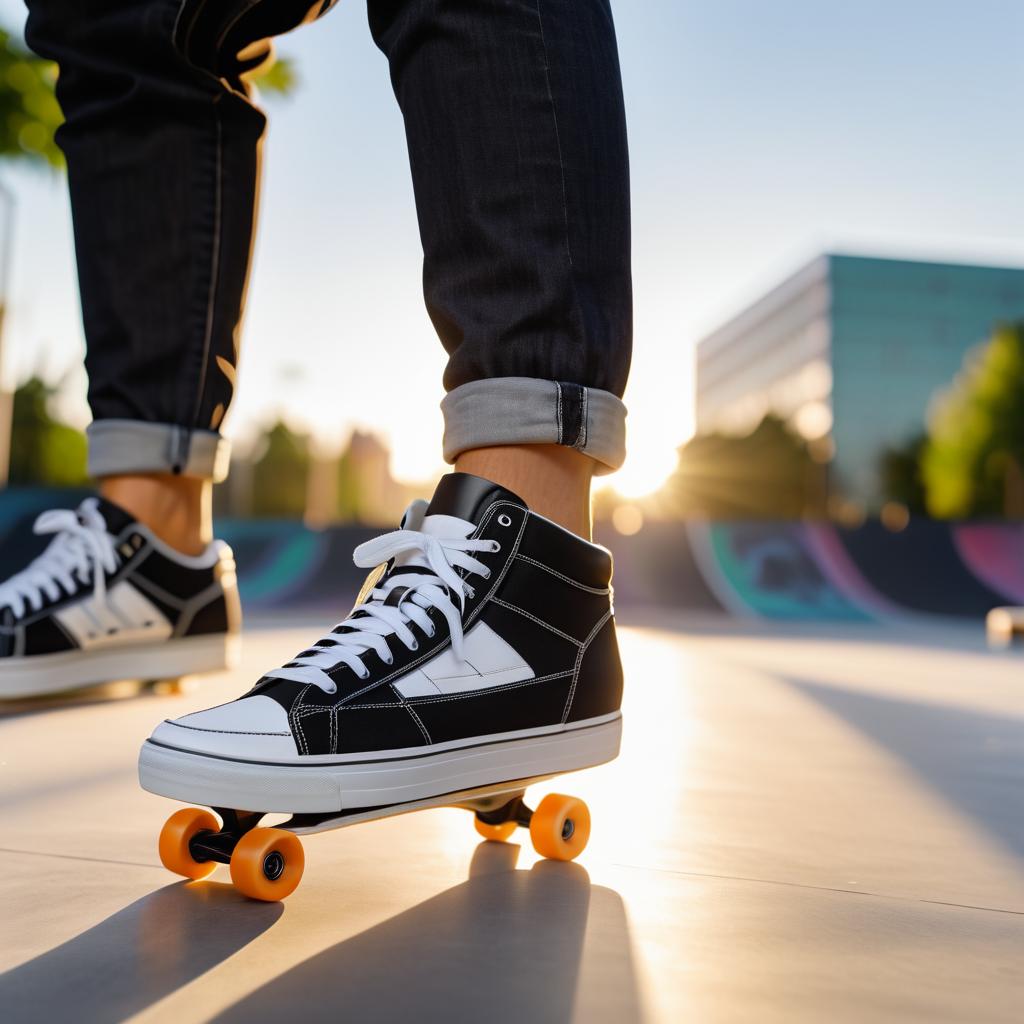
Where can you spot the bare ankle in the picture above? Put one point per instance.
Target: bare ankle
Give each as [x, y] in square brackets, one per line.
[177, 509]
[552, 479]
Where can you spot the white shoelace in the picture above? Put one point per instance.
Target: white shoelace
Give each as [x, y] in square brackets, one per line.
[376, 620]
[82, 548]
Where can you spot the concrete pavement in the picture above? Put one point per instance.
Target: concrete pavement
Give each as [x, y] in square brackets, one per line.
[802, 826]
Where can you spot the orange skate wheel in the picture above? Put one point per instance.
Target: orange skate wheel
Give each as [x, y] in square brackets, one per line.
[267, 864]
[495, 833]
[560, 827]
[179, 828]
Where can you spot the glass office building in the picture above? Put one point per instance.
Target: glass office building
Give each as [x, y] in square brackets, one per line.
[850, 351]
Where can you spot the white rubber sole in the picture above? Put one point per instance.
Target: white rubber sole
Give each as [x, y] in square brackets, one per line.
[397, 778]
[163, 659]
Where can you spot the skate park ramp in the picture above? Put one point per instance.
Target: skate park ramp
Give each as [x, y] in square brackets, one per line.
[797, 571]
[809, 821]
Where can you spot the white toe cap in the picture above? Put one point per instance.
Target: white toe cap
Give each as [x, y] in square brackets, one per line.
[253, 727]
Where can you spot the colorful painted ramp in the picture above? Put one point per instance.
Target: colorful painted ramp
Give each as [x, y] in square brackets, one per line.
[994, 554]
[818, 571]
[659, 567]
[282, 563]
[768, 569]
[920, 569]
[774, 570]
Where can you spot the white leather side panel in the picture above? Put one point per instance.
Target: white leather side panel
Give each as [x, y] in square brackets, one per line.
[124, 616]
[489, 661]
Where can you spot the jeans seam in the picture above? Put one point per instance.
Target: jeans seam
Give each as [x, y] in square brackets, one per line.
[558, 137]
[214, 261]
[581, 437]
[558, 410]
[177, 25]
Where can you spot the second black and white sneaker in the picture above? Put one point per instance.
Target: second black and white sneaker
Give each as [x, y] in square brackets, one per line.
[108, 600]
[483, 651]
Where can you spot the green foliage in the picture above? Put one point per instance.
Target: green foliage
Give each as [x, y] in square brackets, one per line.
[350, 496]
[768, 474]
[280, 474]
[29, 113]
[44, 451]
[278, 77]
[900, 471]
[972, 463]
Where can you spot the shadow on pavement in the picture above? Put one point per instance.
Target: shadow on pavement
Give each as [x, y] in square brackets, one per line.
[536, 946]
[135, 957]
[973, 759]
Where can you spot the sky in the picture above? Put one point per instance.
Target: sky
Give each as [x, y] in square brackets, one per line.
[761, 134]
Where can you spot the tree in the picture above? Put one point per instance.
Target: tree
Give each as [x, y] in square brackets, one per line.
[278, 77]
[29, 113]
[973, 462]
[280, 474]
[44, 450]
[767, 474]
[900, 471]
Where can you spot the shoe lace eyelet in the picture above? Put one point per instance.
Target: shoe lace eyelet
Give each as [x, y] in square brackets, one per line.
[495, 546]
[365, 675]
[432, 632]
[504, 520]
[486, 574]
[414, 646]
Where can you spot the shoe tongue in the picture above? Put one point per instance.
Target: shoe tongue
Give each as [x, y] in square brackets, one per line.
[466, 497]
[438, 525]
[114, 516]
[458, 505]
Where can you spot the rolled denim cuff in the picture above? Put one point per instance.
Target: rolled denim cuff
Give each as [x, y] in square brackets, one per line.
[137, 446]
[527, 410]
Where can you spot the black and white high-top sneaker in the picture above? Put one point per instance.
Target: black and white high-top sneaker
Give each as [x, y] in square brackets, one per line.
[482, 651]
[108, 600]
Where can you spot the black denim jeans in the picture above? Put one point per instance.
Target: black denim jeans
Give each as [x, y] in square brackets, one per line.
[517, 142]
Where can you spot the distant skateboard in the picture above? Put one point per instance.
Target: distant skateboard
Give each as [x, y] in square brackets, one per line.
[267, 863]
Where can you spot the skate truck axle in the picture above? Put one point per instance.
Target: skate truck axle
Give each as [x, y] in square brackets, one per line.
[267, 863]
[219, 846]
[515, 810]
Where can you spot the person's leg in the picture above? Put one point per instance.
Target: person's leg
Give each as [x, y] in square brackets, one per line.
[178, 509]
[481, 653]
[162, 147]
[517, 142]
[162, 153]
[553, 480]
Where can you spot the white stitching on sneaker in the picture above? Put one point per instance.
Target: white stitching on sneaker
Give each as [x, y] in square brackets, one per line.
[416, 719]
[600, 591]
[226, 732]
[579, 662]
[491, 689]
[297, 717]
[540, 622]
